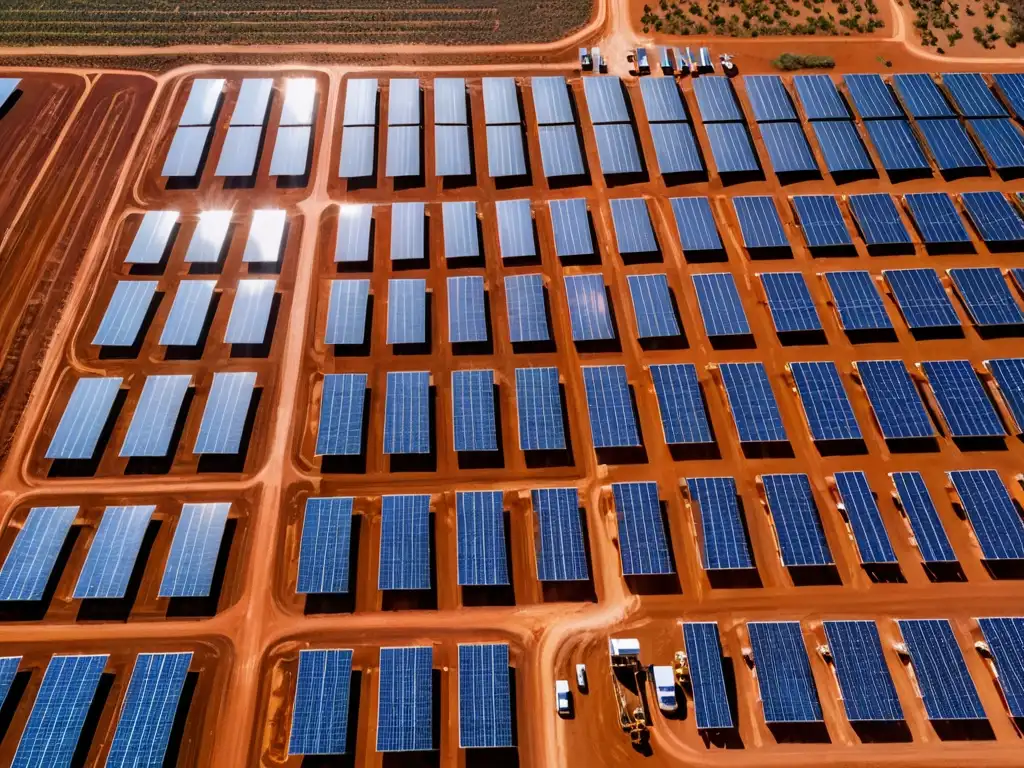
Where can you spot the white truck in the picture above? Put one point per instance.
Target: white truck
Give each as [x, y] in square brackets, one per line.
[581, 676]
[665, 688]
[562, 697]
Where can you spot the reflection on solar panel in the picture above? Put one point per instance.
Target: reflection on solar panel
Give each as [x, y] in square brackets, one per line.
[1009, 376]
[241, 147]
[588, 308]
[857, 301]
[113, 552]
[407, 412]
[539, 401]
[250, 312]
[152, 237]
[643, 545]
[266, 236]
[797, 522]
[921, 96]
[731, 147]
[720, 305]
[662, 101]
[872, 97]
[291, 151]
[501, 101]
[299, 101]
[878, 219]
[790, 302]
[358, 151]
[894, 399]
[325, 546]
[861, 509]
[60, 710]
[759, 222]
[515, 229]
[84, 418]
[897, 146]
[253, 101]
[150, 705]
[675, 147]
[450, 100]
[320, 713]
[153, 423]
[993, 514]
[408, 232]
[653, 306]
[505, 155]
[189, 312]
[826, 405]
[994, 217]
[768, 98]
[460, 230]
[605, 100]
[916, 503]
[1002, 142]
[616, 148]
[405, 543]
[34, 553]
[787, 147]
[683, 416]
[551, 100]
[1005, 639]
[209, 237]
[405, 705]
[451, 151]
[360, 101]
[346, 312]
[403, 101]
[609, 403]
[633, 230]
[842, 147]
[485, 700]
[752, 402]
[340, 431]
[480, 526]
[716, 99]
[971, 95]
[864, 679]
[403, 157]
[822, 221]
[695, 224]
[921, 297]
[407, 311]
[203, 98]
[524, 301]
[561, 552]
[125, 313]
[965, 406]
[942, 677]
[784, 674]
[949, 144]
[704, 657]
[467, 314]
[820, 98]
[1011, 87]
[473, 410]
[194, 550]
[186, 152]
[224, 417]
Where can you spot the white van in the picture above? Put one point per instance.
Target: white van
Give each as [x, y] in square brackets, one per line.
[665, 688]
[562, 697]
[581, 676]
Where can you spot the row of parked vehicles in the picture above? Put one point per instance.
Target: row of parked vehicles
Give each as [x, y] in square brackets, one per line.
[671, 60]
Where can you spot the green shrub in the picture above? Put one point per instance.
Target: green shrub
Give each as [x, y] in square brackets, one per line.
[788, 62]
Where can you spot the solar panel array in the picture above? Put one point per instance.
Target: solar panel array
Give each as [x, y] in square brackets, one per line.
[724, 124]
[704, 658]
[942, 676]
[675, 145]
[724, 544]
[560, 151]
[320, 712]
[405, 128]
[194, 128]
[643, 545]
[788, 693]
[404, 707]
[295, 131]
[779, 125]
[505, 153]
[480, 527]
[797, 522]
[561, 551]
[325, 546]
[485, 700]
[405, 543]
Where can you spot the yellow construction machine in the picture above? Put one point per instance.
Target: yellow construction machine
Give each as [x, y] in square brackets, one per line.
[626, 663]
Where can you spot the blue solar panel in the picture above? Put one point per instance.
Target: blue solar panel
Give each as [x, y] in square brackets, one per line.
[662, 100]
[561, 551]
[588, 308]
[716, 99]
[59, 713]
[942, 676]
[570, 223]
[408, 231]
[358, 152]
[820, 98]
[551, 100]
[360, 101]
[152, 426]
[30, 562]
[787, 147]
[405, 704]
[485, 700]
[643, 545]
[862, 511]
[467, 312]
[501, 100]
[473, 410]
[203, 99]
[1009, 376]
[605, 100]
[653, 306]
[872, 97]
[524, 301]
[921, 297]
[1002, 142]
[8, 670]
[250, 312]
[797, 522]
[125, 313]
[191, 308]
[610, 406]
[894, 399]
[878, 219]
[921, 96]
[404, 101]
[897, 146]
[822, 221]
[695, 224]
[916, 503]
[867, 689]
[186, 152]
[704, 660]
[340, 431]
[992, 512]
[784, 674]
[194, 550]
[769, 99]
[404, 543]
[224, 417]
[150, 705]
[407, 412]
[971, 95]
[752, 402]
[965, 406]
[1005, 639]
[683, 416]
[480, 526]
[759, 222]
[1011, 86]
[515, 229]
[560, 151]
[346, 312]
[724, 545]
[320, 713]
[461, 240]
[505, 154]
[325, 546]
[995, 217]
[84, 417]
[675, 146]
[936, 218]
[407, 311]
[209, 237]
[731, 147]
[857, 301]
[632, 222]
[720, 305]
[450, 100]
[790, 302]
[949, 144]
[826, 405]
[842, 147]
[539, 403]
[113, 552]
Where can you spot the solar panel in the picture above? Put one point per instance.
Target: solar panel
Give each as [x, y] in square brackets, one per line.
[404, 101]
[872, 97]
[971, 95]
[716, 99]
[695, 224]
[683, 416]
[408, 232]
[921, 297]
[524, 301]
[207, 243]
[784, 676]
[152, 237]
[561, 552]
[450, 100]
[878, 219]
[768, 98]
[820, 98]
[186, 152]
[203, 98]
[864, 680]
[189, 311]
[1011, 87]
[653, 307]
[759, 222]
[224, 418]
[403, 154]
[662, 100]
[616, 149]
[358, 152]
[825, 403]
[113, 552]
[942, 677]
[250, 312]
[1005, 639]
[720, 305]
[965, 406]
[8, 669]
[266, 236]
[346, 312]
[467, 314]
[894, 399]
[612, 422]
[675, 146]
[355, 222]
[473, 410]
[253, 100]
[501, 101]
[1001, 141]
[150, 706]
[994, 217]
[291, 151]
[539, 403]
[325, 547]
[841, 146]
[588, 308]
[194, 550]
[515, 229]
[643, 545]
[731, 148]
[320, 712]
[897, 146]
[704, 659]
[822, 221]
[791, 503]
[36, 547]
[125, 313]
[452, 156]
[551, 100]
[949, 144]
[407, 311]
[790, 303]
[1009, 376]
[861, 509]
[8, 85]
[407, 412]
[480, 527]
[505, 155]
[59, 712]
[605, 100]
[993, 513]
[485, 700]
[405, 704]
[916, 503]
[360, 101]
[787, 147]
[724, 545]
[299, 101]
[240, 150]
[340, 431]
[405, 543]
[857, 301]
[460, 230]
[156, 414]
[632, 222]
[84, 418]
[921, 96]
[752, 402]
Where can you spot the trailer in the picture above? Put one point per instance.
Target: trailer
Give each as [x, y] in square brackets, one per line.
[586, 63]
[665, 57]
[597, 60]
[643, 66]
[681, 64]
[706, 64]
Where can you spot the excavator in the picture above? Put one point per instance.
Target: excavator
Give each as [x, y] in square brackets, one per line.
[635, 722]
